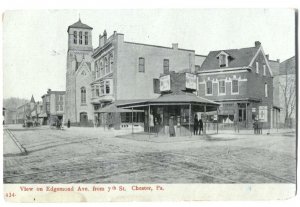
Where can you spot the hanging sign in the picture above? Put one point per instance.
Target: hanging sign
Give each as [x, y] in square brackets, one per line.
[191, 81]
[165, 83]
[263, 113]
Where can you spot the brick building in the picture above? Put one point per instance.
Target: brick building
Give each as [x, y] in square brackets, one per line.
[114, 72]
[53, 107]
[241, 80]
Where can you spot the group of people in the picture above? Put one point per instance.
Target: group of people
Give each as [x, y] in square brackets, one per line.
[198, 125]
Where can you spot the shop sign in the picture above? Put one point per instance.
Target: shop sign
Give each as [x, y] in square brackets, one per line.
[263, 113]
[165, 83]
[190, 81]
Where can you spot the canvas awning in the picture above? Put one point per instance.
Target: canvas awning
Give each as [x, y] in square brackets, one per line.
[171, 99]
[112, 108]
[43, 115]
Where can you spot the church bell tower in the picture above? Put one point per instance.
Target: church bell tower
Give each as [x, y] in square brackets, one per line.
[79, 49]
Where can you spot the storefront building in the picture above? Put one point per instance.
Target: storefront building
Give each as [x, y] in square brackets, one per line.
[176, 106]
[241, 80]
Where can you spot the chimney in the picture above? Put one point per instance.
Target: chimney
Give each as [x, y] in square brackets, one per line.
[175, 46]
[267, 56]
[100, 39]
[105, 36]
[278, 60]
[49, 90]
[115, 33]
[257, 43]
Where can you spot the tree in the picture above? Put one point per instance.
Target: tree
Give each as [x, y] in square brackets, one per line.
[288, 87]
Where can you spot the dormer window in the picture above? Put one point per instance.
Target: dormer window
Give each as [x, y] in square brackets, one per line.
[223, 59]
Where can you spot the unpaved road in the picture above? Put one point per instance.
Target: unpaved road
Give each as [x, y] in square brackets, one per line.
[85, 155]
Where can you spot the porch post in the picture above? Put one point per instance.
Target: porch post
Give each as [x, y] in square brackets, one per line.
[246, 116]
[190, 119]
[218, 120]
[149, 121]
[204, 130]
[132, 121]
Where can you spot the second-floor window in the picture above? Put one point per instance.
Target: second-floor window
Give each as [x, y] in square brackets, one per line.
[209, 88]
[141, 64]
[101, 69]
[102, 88]
[83, 95]
[266, 90]
[97, 90]
[97, 69]
[235, 86]
[80, 38]
[166, 66]
[257, 67]
[265, 72]
[75, 37]
[222, 89]
[107, 87]
[86, 38]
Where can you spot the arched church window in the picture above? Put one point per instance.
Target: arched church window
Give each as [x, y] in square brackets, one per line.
[106, 65]
[101, 69]
[80, 38]
[75, 37]
[86, 38]
[83, 95]
[111, 62]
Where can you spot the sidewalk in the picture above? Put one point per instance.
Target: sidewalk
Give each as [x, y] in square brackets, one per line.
[251, 132]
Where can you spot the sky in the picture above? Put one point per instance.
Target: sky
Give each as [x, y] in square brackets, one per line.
[35, 41]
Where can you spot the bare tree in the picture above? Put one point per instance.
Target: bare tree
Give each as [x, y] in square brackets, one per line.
[288, 88]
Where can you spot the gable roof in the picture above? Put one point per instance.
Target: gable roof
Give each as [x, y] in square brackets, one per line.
[239, 58]
[80, 25]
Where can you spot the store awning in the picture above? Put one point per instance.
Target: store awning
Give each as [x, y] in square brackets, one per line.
[171, 99]
[112, 108]
[43, 115]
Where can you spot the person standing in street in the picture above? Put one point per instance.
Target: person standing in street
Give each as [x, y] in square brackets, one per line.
[200, 126]
[196, 124]
[171, 127]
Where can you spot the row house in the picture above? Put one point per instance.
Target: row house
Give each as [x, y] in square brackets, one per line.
[241, 80]
[9, 116]
[53, 107]
[24, 111]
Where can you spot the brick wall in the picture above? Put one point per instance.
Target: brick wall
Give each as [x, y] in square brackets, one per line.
[132, 84]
